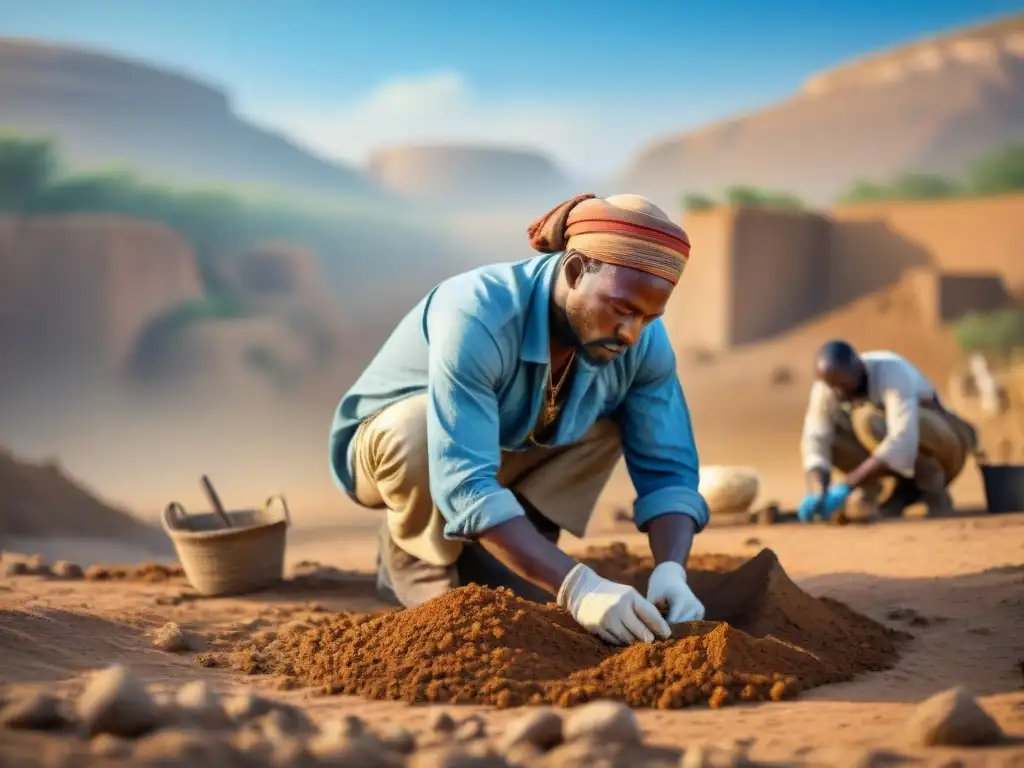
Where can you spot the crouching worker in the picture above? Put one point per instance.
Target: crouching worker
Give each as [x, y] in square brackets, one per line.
[493, 416]
[871, 416]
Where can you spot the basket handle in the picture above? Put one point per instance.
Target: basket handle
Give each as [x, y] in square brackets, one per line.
[278, 497]
[174, 513]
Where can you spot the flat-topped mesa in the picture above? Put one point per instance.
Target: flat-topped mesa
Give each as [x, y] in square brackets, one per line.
[33, 71]
[464, 173]
[989, 45]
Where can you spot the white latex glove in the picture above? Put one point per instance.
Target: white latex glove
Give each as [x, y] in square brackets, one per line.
[668, 583]
[614, 612]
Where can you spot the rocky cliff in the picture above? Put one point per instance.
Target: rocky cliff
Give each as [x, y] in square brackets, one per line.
[468, 175]
[105, 110]
[932, 106]
[77, 291]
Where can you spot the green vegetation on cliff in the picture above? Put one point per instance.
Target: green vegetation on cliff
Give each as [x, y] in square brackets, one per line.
[744, 195]
[996, 173]
[997, 333]
[217, 221]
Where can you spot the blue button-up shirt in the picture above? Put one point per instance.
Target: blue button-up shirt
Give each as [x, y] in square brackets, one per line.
[479, 346]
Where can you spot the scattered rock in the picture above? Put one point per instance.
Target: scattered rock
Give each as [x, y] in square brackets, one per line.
[173, 639]
[361, 751]
[200, 705]
[32, 710]
[542, 729]
[398, 739]
[243, 707]
[607, 721]
[37, 566]
[285, 721]
[17, 568]
[855, 757]
[714, 757]
[105, 745]
[183, 747]
[443, 723]
[115, 702]
[65, 569]
[952, 718]
[456, 757]
[473, 727]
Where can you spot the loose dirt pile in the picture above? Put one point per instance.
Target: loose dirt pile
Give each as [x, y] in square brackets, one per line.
[39, 500]
[483, 646]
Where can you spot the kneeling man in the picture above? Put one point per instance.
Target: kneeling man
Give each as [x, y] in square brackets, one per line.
[875, 415]
[493, 416]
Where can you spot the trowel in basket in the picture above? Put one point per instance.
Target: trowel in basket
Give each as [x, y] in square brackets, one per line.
[734, 597]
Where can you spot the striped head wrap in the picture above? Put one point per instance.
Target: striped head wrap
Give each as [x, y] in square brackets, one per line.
[625, 230]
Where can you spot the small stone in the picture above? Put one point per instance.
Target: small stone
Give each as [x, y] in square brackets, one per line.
[952, 718]
[455, 757]
[32, 710]
[65, 569]
[284, 721]
[199, 704]
[37, 566]
[855, 757]
[15, 569]
[443, 723]
[105, 745]
[115, 702]
[173, 639]
[541, 729]
[243, 707]
[336, 733]
[470, 729]
[606, 721]
[362, 751]
[288, 751]
[183, 747]
[398, 739]
[713, 757]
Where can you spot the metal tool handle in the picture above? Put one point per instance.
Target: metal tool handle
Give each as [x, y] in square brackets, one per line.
[218, 508]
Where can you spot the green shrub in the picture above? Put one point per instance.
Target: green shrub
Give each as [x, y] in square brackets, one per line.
[999, 333]
[998, 172]
[747, 195]
[695, 201]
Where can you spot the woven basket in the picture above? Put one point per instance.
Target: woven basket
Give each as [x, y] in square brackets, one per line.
[217, 560]
[728, 490]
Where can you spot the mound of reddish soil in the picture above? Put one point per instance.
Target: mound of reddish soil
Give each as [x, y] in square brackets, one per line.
[480, 646]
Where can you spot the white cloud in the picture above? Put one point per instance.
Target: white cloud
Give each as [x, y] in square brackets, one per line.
[586, 139]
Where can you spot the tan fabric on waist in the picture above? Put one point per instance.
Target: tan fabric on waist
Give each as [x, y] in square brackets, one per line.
[943, 436]
[392, 471]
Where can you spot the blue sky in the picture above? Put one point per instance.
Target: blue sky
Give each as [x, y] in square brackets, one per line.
[587, 81]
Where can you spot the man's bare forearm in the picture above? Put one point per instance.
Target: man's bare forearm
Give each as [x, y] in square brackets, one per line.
[671, 538]
[523, 550]
[870, 469]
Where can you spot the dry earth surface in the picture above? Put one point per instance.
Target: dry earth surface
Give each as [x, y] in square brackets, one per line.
[956, 585]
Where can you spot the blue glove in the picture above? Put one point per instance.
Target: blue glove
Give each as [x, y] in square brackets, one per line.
[809, 506]
[835, 497]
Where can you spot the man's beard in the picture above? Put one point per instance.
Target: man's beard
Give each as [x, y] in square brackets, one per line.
[566, 334]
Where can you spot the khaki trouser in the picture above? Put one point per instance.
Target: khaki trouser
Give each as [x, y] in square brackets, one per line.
[558, 487]
[945, 443]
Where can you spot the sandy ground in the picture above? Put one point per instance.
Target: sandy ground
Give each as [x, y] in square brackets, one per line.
[964, 578]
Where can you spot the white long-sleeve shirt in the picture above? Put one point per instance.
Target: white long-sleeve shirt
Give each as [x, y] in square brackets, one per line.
[895, 386]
